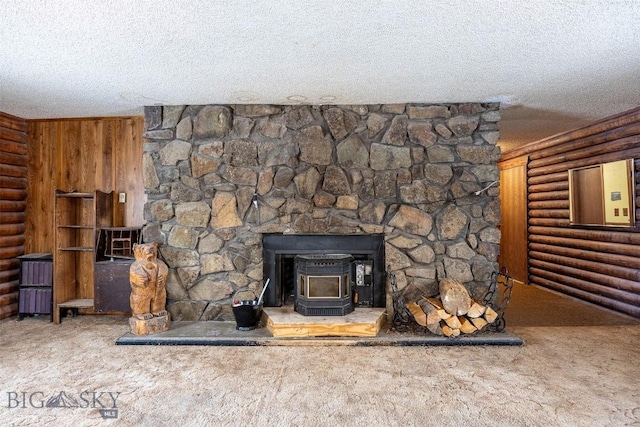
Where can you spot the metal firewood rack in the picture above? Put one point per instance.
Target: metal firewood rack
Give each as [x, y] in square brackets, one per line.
[401, 316]
[498, 297]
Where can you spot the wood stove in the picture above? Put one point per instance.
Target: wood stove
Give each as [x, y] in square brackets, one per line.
[366, 275]
[323, 285]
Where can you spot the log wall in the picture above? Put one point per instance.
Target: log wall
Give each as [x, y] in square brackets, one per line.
[598, 264]
[13, 194]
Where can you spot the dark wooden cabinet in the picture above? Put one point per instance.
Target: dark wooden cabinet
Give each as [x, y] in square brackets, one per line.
[111, 270]
[112, 287]
[36, 279]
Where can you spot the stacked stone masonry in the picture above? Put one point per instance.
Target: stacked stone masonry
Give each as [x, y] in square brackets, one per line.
[408, 171]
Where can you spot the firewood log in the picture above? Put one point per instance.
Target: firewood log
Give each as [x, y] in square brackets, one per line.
[435, 302]
[476, 310]
[439, 308]
[490, 315]
[466, 327]
[450, 332]
[426, 306]
[453, 322]
[433, 317]
[435, 328]
[478, 322]
[454, 296]
[418, 315]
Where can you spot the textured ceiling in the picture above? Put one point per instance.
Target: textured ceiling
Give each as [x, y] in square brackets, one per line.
[553, 64]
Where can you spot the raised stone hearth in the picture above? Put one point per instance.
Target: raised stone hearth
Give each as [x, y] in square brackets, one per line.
[415, 174]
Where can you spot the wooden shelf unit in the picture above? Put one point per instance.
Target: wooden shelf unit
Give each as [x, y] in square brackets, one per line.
[78, 218]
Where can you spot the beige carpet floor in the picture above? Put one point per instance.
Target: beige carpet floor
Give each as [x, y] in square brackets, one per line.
[536, 306]
[562, 376]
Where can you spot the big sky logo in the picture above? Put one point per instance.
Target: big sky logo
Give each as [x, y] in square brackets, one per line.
[105, 401]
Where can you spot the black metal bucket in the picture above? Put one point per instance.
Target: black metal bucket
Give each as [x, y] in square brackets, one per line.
[246, 312]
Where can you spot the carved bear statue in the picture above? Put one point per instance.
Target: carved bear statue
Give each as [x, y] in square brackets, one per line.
[148, 276]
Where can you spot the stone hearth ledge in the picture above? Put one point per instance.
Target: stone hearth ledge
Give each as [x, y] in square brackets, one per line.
[224, 333]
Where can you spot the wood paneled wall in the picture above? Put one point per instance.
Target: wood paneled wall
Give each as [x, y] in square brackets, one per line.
[513, 213]
[598, 264]
[84, 155]
[13, 193]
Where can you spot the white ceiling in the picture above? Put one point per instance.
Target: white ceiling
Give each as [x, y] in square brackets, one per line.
[554, 64]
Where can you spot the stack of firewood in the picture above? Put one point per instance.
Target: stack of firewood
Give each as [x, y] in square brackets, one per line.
[453, 313]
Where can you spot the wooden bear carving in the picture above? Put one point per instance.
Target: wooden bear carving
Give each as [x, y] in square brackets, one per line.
[148, 276]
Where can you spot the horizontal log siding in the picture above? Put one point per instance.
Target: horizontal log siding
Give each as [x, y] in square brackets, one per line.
[599, 265]
[13, 193]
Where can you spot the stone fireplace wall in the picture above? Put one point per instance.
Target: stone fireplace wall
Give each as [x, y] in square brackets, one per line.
[408, 171]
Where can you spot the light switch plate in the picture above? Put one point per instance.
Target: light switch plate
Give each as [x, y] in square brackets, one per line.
[122, 197]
